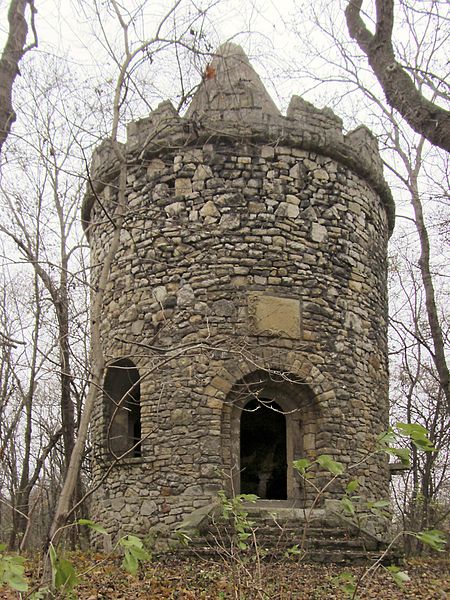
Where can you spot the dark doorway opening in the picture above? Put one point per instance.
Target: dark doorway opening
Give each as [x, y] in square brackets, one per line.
[263, 450]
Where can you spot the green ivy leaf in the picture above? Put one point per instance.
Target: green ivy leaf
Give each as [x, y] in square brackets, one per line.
[400, 577]
[352, 486]
[248, 497]
[92, 525]
[140, 553]
[386, 438]
[134, 552]
[302, 465]
[433, 538]
[131, 541]
[65, 575]
[63, 572]
[130, 563]
[16, 583]
[348, 506]
[424, 444]
[326, 462]
[377, 508]
[418, 435]
[12, 571]
[378, 504]
[411, 429]
[401, 453]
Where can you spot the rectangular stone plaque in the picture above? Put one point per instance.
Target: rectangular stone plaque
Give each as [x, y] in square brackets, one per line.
[274, 315]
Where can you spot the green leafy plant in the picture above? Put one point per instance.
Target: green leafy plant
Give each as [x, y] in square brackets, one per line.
[433, 538]
[412, 433]
[346, 582]
[241, 548]
[92, 525]
[349, 498]
[233, 509]
[400, 577]
[64, 577]
[12, 570]
[293, 551]
[327, 463]
[417, 434]
[352, 506]
[135, 553]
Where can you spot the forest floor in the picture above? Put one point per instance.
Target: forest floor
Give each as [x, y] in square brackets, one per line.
[102, 578]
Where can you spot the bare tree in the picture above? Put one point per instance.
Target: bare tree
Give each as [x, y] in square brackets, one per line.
[40, 193]
[411, 181]
[421, 493]
[13, 53]
[23, 449]
[424, 116]
[40, 222]
[31, 229]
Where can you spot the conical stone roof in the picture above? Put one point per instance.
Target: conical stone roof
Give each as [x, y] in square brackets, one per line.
[231, 89]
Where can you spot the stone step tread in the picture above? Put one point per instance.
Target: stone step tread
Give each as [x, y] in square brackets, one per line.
[336, 555]
[312, 532]
[309, 542]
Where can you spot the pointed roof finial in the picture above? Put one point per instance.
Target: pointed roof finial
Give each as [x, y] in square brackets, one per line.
[231, 86]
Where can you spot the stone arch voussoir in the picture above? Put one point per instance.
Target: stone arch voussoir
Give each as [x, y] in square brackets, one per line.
[298, 365]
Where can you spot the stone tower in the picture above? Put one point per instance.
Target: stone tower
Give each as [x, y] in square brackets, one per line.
[244, 321]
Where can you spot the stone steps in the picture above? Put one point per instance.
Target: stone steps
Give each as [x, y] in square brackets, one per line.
[275, 535]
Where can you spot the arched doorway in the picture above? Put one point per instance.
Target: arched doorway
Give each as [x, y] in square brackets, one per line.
[263, 450]
[285, 424]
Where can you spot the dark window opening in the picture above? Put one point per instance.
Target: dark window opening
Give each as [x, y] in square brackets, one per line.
[263, 450]
[123, 408]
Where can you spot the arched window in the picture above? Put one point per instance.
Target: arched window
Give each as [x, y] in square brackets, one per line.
[123, 408]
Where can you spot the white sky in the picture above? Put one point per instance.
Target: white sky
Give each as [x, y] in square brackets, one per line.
[258, 26]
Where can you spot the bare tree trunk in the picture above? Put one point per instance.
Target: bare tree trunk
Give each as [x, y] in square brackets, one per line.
[61, 301]
[438, 353]
[22, 497]
[33, 479]
[67, 407]
[13, 52]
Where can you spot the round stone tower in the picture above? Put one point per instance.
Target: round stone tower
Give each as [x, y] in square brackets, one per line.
[245, 316]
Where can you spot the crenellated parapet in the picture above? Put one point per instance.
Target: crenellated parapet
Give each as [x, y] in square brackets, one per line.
[233, 105]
